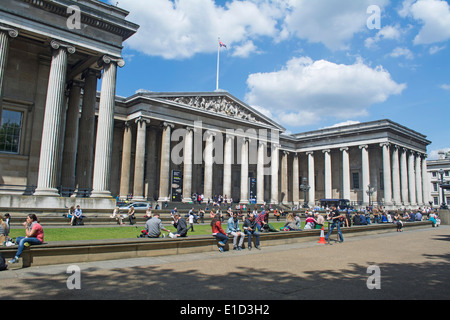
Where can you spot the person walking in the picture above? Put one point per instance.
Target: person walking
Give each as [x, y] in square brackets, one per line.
[335, 218]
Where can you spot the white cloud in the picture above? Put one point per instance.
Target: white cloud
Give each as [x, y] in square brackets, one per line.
[402, 52]
[180, 29]
[387, 33]
[445, 87]
[436, 49]
[343, 124]
[305, 91]
[435, 17]
[244, 50]
[333, 23]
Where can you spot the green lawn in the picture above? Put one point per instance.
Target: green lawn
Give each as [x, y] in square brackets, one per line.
[124, 232]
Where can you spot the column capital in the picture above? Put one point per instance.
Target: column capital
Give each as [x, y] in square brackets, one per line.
[364, 146]
[326, 151]
[167, 124]
[11, 31]
[126, 124]
[209, 133]
[275, 145]
[56, 44]
[91, 72]
[385, 144]
[142, 119]
[105, 59]
[343, 149]
[308, 153]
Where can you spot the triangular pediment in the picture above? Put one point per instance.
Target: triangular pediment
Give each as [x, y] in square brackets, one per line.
[220, 103]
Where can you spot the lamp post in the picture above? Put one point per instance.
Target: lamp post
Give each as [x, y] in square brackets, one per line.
[305, 188]
[370, 191]
[441, 182]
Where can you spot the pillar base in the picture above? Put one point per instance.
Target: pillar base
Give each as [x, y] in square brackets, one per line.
[163, 199]
[187, 200]
[48, 192]
[101, 194]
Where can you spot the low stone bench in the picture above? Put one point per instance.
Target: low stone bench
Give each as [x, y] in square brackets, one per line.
[68, 252]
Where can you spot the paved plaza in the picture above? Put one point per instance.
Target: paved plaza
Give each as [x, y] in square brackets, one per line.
[413, 264]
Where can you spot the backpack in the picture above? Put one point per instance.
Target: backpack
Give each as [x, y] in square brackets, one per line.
[3, 265]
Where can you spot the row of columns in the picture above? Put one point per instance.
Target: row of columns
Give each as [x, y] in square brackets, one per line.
[50, 165]
[404, 175]
[6, 33]
[188, 160]
[404, 171]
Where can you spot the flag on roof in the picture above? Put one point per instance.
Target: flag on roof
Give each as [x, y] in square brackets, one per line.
[222, 44]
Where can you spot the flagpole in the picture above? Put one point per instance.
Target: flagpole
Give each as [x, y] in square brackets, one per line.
[218, 59]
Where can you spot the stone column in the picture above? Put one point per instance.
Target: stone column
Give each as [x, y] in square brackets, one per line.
[244, 171]
[365, 173]
[260, 173]
[227, 162]
[152, 165]
[295, 179]
[126, 162]
[86, 133]
[404, 177]
[274, 173]
[328, 174]
[311, 179]
[164, 175]
[139, 164]
[396, 190]
[187, 170]
[425, 181]
[209, 162]
[387, 174]
[284, 177]
[71, 136]
[50, 146]
[412, 178]
[5, 34]
[105, 128]
[345, 174]
[419, 197]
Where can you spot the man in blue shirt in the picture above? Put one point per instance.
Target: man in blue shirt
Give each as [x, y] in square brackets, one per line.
[233, 229]
[77, 218]
[335, 217]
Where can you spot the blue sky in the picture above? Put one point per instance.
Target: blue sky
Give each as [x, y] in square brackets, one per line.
[308, 64]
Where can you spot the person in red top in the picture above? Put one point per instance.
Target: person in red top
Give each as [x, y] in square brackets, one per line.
[34, 235]
[218, 232]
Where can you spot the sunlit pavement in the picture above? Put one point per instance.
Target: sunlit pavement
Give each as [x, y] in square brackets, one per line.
[413, 264]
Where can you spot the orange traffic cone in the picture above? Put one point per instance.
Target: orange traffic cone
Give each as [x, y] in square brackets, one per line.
[322, 237]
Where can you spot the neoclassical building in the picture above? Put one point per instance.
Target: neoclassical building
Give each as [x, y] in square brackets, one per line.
[62, 142]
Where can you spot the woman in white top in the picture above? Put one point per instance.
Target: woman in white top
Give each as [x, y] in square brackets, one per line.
[116, 215]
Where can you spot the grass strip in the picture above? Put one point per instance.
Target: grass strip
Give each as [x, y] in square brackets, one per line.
[123, 232]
